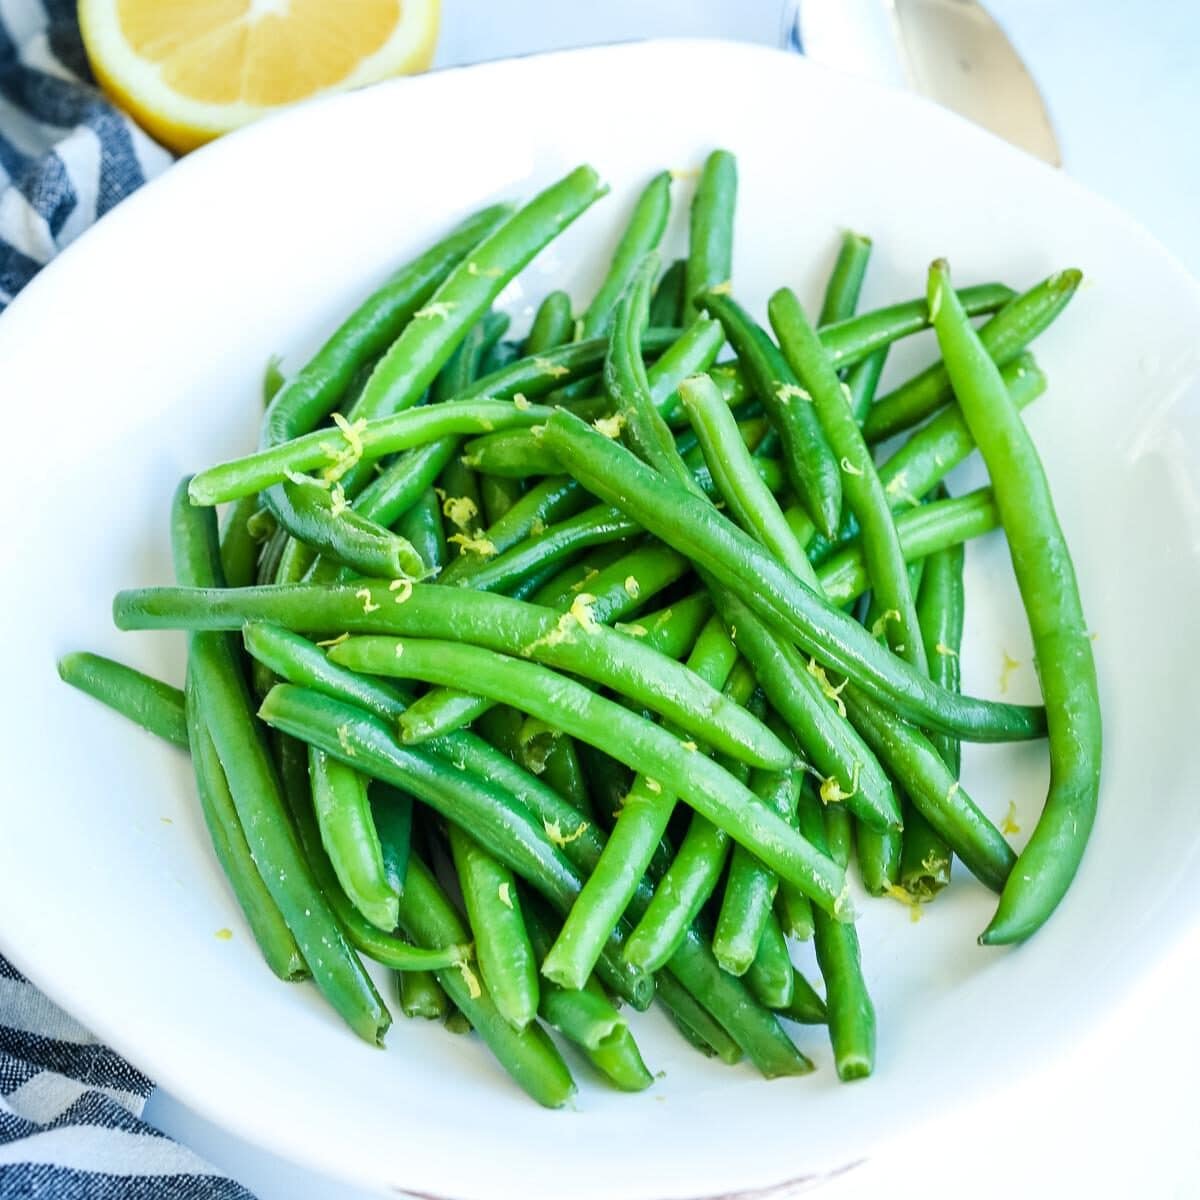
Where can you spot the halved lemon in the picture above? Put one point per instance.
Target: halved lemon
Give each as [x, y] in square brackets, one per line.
[190, 70]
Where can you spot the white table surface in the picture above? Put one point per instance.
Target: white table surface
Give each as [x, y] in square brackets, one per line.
[1116, 1115]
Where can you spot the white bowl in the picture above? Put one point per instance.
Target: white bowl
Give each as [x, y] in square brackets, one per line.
[138, 355]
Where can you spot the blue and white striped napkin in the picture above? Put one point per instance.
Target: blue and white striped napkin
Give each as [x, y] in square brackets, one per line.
[70, 1107]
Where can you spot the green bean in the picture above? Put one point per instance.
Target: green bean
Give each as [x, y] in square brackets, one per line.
[502, 944]
[528, 1054]
[919, 769]
[669, 303]
[923, 531]
[550, 501]
[924, 857]
[462, 368]
[694, 528]
[498, 496]
[502, 825]
[794, 912]
[270, 931]
[422, 996]
[621, 585]
[1050, 594]
[846, 279]
[390, 951]
[316, 389]
[850, 341]
[640, 825]
[806, 1006]
[155, 706]
[879, 854]
[588, 1018]
[349, 836]
[839, 833]
[239, 547]
[392, 814]
[571, 642]
[693, 874]
[223, 709]
[641, 236]
[557, 761]
[1003, 337]
[771, 976]
[693, 1021]
[806, 699]
[426, 343]
[849, 1011]
[933, 451]
[710, 233]
[734, 475]
[509, 454]
[600, 722]
[863, 491]
[808, 459]
[694, 351]
[300, 662]
[273, 379]
[365, 442]
[552, 324]
[746, 906]
[422, 528]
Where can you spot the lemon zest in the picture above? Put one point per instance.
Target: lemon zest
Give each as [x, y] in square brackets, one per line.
[827, 689]
[473, 268]
[459, 510]
[652, 785]
[850, 468]
[633, 589]
[610, 426]
[880, 626]
[1007, 666]
[337, 641]
[553, 369]
[470, 979]
[724, 288]
[478, 544]
[689, 745]
[337, 500]
[946, 651]
[1009, 824]
[521, 402]
[364, 594]
[831, 789]
[635, 630]
[894, 892]
[439, 309]
[503, 891]
[555, 834]
[403, 589]
[785, 393]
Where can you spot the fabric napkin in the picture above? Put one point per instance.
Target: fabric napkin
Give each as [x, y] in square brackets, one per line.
[69, 1106]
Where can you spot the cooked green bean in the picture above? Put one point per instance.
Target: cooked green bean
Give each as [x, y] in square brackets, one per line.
[693, 1021]
[771, 976]
[861, 487]
[746, 906]
[626, 583]
[502, 944]
[239, 546]
[155, 706]
[669, 303]
[422, 528]
[849, 1011]
[570, 641]
[1050, 593]
[927, 781]
[846, 279]
[547, 753]
[850, 341]
[645, 746]
[223, 709]
[365, 442]
[317, 387]
[640, 825]
[641, 236]
[528, 1054]
[502, 825]
[552, 325]
[794, 910]
[710, 232]
[588, 1018]
[693, 874]
[806, 1006]
[267, 925]
[694, 528]
[422, 996]
[734, 475]
[349, 836]
[808, 459]
[1003, 337]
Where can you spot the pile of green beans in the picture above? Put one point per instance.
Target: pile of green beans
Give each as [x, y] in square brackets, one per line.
[603, 665]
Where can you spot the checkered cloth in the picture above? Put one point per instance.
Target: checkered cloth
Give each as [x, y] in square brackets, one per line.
[70, 1107]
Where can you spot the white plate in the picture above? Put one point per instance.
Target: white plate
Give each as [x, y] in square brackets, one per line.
[138, 355]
